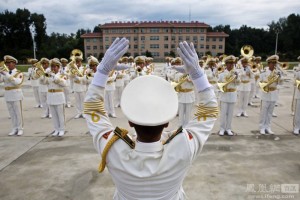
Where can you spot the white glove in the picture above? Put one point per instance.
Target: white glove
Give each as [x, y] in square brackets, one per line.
[190, 59]
[121, 67]
[113, 54]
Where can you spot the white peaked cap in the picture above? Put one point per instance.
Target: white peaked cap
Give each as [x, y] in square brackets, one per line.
[149, 101]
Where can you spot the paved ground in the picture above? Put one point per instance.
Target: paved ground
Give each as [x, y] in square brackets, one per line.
[38, 166]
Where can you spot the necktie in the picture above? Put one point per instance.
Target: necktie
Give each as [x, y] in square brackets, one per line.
[10, 71]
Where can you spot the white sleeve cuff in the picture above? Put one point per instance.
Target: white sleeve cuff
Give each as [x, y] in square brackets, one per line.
[201, 83]
[99, 79]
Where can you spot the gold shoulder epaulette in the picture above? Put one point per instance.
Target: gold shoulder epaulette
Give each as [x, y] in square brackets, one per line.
[179, 130]
[119, 133]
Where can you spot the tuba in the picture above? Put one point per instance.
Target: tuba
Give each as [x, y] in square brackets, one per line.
[265, 86]
[232, 76]
[284, 65]
[3, 67]
[76, 52]
[74, 69]
[247, 51]
[40, 71]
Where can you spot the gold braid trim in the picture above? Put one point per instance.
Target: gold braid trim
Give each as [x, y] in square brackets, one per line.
[119, 133]
[204, 112]
[92, 107]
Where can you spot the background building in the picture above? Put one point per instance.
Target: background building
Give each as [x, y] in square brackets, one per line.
[160, 38]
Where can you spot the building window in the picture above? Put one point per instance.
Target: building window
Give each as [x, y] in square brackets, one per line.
[135, 46]
[195, 30]
[154, 30]
[166, 38]
[113, 30]
[214, 39]
[106, 39]
[101, 47]
[179, 30]
[94, 47]
[166, 53]
[173, 46]
[173, 38]
[166, 46]
[154, 46]
[143, 30]
[173, 30]
[142, 46]
[113, 39]
[128, 30]
[135, 30]
[106, 46]
[135, 38]
[213, 46]
[201, 46]
[128, 38]
[129, 46]
[180, 38]
[88, 40]
[88, 47]
[154, 37]
[155, 54]
[207, 39]
[207, 46]
[166, 30]
[188, 30]
[95, 40]
[187, 38]
[202, 38]
[195, 38]
[220, 39]
[220, 46]
[142, 38]
[201, 30]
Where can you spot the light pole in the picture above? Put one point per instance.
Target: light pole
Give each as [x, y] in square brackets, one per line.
[32, 31]
[277, 32]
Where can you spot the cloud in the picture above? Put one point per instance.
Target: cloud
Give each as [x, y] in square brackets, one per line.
[67, 16]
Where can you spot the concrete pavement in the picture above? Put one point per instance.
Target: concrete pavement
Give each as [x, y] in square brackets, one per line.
[38, 166]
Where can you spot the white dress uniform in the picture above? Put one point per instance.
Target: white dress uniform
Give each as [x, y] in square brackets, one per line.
[150, 170]
[297, 106]
[119, 87]
[110, 88]
[227, 101]
[186, 99]
[211, 74]
[268, 101]
[244, 89]
[56, 101]
[43, 89]
[253, 87]
[79, 87]
[13, 96]
[166, 71]
[126, 77]
[67, 89]
[35, 86]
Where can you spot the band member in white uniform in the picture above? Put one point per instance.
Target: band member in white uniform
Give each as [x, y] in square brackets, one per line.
[229, 95]
[211, 72]
[43, 88]
[13, 95]
[56, 97]
[245, 74]
[110, 88]
[269, 96]
[119, 87]
[64, 70]
[164, 166]
[297, 103]
[34, 83]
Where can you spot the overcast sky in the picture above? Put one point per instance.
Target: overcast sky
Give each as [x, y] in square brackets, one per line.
[67, 16]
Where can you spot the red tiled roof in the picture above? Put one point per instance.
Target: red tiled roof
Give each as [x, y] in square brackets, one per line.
[91, 35]
[216, 34]
[154, 24]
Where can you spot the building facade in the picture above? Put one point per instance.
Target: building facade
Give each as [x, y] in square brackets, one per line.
[159, 38]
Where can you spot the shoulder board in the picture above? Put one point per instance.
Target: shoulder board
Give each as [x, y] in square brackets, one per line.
[179, 130]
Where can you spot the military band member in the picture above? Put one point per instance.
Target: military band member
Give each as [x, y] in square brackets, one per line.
[34, 83]
[164, 164]
[110, 88]
[56, 98]
[297, 103]
[245, 74]
[228, 96]
[139, 66]
[13, 94]
[64, 70]
[43, 88]
[92, 63]
[296, 69]
[201, 64]
[79, 87]
[167, 67]
[259, 69]
[186, 95]
[269, 95]
[211, 72]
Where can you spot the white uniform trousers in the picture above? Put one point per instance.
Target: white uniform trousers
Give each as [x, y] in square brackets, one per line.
[67, 95]
[109, 102]
[126, 83]
[266, 112]
[79, 98]
[226, 115]
[243, 101]
[184, 112]
[36, 95]
[297, 114]
[58, 117]
[43, 98]
[252, 92]
[15, 112]
[118, 94]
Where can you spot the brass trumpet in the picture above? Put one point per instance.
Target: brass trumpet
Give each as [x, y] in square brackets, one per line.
[3, 67]
[177, 86]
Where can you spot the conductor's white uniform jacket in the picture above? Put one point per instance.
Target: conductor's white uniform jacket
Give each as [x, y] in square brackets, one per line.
[150, 170]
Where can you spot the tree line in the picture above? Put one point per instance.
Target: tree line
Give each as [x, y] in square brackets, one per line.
[16, 38]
